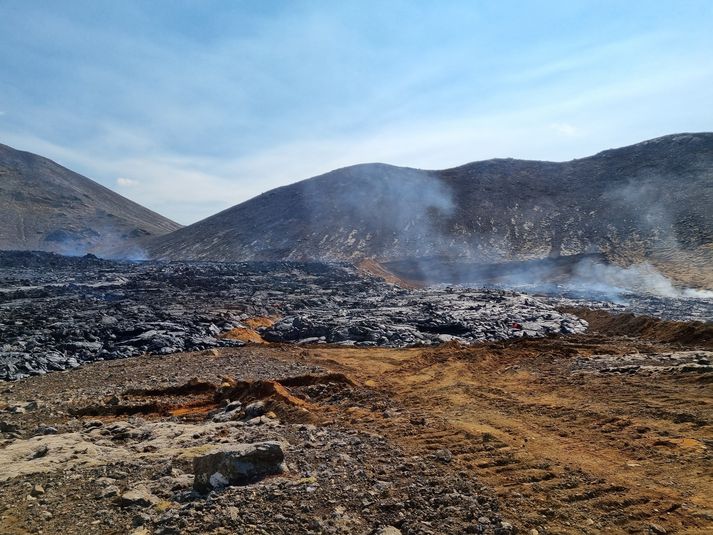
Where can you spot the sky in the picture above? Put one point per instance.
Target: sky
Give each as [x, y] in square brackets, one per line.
[190, 107]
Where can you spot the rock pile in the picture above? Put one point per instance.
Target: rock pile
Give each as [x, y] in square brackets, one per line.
[401, 318]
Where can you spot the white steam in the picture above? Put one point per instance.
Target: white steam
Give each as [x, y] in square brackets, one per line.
[638, 278]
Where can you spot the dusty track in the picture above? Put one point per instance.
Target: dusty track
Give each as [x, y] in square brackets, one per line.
[567, 452]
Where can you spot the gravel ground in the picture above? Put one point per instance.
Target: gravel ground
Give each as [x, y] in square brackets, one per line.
[68, 471]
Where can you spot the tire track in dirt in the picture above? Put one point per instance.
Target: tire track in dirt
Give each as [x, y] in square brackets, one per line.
[566, 452]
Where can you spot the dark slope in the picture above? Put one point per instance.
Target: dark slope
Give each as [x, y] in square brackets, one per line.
[651, 200]
[44, 206]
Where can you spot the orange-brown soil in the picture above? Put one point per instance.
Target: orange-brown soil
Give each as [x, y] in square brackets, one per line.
[244, 334]
[565, 450]
[249, 332]
[259, 321]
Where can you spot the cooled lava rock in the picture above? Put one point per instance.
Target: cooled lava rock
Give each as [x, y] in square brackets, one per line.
[57, 312]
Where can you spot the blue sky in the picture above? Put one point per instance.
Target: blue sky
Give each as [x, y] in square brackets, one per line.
[189, 107]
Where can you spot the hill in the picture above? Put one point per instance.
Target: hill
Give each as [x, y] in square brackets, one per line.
[646, 202]
[47, 207]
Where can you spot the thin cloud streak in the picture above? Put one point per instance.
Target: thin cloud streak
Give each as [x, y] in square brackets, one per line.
[127, 182]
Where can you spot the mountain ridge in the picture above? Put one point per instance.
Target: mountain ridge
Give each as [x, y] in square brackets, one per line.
[644, 202]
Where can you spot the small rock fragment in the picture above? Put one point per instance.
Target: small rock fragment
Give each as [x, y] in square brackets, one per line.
[41, 451]
[232, 406]
[140, 519]
[138, 496]
[45, 430]
[444, 455]
[255, 409]
[109, 491]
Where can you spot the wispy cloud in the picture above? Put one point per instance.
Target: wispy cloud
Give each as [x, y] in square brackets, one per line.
[565, 129]
[126, 182]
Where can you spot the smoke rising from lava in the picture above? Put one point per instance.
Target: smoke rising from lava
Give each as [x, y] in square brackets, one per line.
[410, 210]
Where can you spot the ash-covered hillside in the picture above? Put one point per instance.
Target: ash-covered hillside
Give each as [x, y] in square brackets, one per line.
[649, 201]
[47, 207]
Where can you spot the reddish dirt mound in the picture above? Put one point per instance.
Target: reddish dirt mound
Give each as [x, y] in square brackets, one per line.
[244, 334]
[260, 321]
[258, 390]
[693, 333]
[197, 398]
[199, 408]
[249, 332]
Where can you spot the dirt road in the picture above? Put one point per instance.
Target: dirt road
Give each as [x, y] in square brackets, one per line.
[567, 449]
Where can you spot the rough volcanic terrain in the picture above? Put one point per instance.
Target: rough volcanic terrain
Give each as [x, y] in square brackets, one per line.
[56, 312]
[287, 397]
[585, 434]
[47, 207]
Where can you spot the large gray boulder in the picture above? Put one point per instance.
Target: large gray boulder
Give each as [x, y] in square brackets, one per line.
[237, 464]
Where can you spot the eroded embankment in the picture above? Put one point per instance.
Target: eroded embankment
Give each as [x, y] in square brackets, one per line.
[685, 333]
